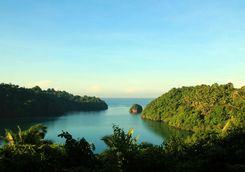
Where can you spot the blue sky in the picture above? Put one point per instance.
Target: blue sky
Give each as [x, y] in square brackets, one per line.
[115, 48]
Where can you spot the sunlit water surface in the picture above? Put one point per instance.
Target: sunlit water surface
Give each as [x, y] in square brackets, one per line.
[94, 125]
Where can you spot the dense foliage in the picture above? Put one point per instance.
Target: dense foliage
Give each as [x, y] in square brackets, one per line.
[22, 101]
[219, 145]
[204, 151]
[135, 108]
[201, 107]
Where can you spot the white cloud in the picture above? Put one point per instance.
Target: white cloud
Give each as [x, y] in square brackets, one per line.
[94, 89]
[42, 84]
[131, 90]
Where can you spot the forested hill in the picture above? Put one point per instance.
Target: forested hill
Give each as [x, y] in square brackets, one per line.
[17, 101]
[200, 107]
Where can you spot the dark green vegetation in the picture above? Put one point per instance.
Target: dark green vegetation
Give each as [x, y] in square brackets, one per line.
[135, 108]
[215, 113]
[27, 151]
[200, 108]
[22, 101]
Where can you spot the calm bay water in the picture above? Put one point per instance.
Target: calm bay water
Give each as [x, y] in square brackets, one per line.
[94, 125]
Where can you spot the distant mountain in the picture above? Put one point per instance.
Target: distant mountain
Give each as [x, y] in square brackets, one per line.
[19, 101]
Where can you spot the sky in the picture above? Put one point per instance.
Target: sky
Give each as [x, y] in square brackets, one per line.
[122, 48]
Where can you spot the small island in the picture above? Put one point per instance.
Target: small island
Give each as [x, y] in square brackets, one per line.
[136, 109]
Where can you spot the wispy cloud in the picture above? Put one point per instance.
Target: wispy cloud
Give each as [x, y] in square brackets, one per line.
[131, 90]
[94, 89]
[42, 84]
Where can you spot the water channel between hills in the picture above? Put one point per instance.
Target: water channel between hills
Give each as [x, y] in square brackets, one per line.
[94, 125]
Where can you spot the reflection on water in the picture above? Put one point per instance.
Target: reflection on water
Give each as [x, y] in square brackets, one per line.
[164, 130]
[94, 125]
[23, 122]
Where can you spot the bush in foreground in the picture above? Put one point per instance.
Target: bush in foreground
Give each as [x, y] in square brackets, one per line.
[204, 151]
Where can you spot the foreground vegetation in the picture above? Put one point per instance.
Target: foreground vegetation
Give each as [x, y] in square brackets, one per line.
[28, 151]
[215, 113]
[22, 101]
[201, 107]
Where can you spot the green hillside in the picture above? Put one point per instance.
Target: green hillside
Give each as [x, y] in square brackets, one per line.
[200, 107]
[17, 101]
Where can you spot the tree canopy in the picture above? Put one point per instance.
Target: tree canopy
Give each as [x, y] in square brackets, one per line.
[203, 151]
[201, 107]
[15, 100]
